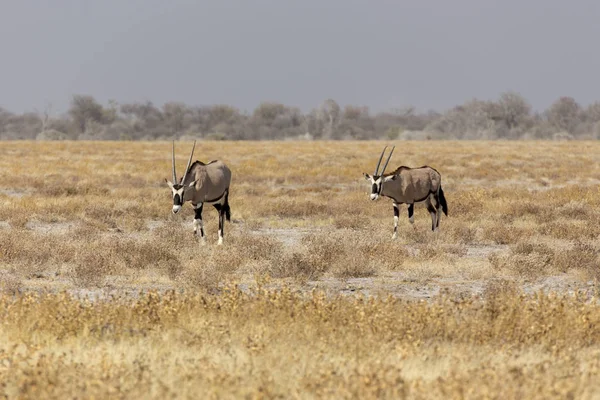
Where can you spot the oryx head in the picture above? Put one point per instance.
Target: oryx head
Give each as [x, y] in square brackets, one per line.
[378, 179]
[177, 187]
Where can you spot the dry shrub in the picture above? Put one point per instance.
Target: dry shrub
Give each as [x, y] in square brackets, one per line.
[87, 231]
[10, 284]
[500, 233]
[532, 260]
[343, 253]
[527, 260]
[294, 264]
[112, 255]
[575, 210]
[416, 235]
[461, 233]
[197, 273]
[501, 288]
[523, 208]
[33, 251]
[559, 229]
[50, 188]
[209, 266]
[348, 222]
[456, 250]
[106, 214]
[582, 256]
[293, 208]
[324, 249]
[354, 266]
[18, 219]
[429, 251]
[254, 247]
[469, 203]
[174, 235]
[141, 255]
[240, 345]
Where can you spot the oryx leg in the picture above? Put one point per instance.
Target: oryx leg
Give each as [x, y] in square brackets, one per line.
[198, 224]
[396, 216]
[432, 212]
[438, 211]
[221, 209]
[411, 213]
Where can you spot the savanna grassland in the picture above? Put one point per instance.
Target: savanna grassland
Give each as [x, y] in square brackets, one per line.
[105, 293]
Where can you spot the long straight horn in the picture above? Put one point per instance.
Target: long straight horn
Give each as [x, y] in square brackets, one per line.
[388, 160]
[189, 163]
[173, 165]
[379, 162]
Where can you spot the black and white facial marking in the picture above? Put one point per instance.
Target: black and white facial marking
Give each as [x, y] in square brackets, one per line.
[377, 184]
[177, 198]
[178, 193]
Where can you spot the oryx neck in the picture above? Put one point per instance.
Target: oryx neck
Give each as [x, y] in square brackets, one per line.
[387, 188]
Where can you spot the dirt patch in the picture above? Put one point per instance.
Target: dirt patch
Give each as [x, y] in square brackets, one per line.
[484, 251]
[288, 236]
[53, 227]
[10, 192]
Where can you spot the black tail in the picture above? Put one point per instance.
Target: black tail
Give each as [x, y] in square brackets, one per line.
[227, 209]
[443, 201]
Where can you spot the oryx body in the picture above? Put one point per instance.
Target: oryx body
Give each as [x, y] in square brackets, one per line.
[202, 184]
[409, 186]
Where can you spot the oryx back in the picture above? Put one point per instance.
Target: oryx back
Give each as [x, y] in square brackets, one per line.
[212, 181]
[412, 184]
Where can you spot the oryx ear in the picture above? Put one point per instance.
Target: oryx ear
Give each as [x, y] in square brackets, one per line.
[389, 178]
[193, 183]
[169, 183]
[367, 176]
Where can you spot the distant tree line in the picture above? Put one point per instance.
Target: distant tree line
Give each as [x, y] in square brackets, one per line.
[509, 117]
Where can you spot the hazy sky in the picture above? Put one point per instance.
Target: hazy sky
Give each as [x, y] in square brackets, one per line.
[384, 54]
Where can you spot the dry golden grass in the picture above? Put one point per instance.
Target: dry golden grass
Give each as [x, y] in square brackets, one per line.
[278, 344]
[94, 218]
[97, 214]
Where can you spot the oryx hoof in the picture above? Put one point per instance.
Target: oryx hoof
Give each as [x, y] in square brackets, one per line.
[220, 242]
[394, 236]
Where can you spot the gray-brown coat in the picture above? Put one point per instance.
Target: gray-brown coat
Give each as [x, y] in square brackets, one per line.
[202, 184]
[409, 186]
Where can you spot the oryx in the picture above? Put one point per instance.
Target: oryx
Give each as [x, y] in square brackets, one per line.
[202, 184]
[410, 186]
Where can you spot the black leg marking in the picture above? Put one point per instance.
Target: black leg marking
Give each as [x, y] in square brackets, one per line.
[411, 213]
[438, 206]
[198, 216]
[396, 216]
[227, 209]
[432, 212]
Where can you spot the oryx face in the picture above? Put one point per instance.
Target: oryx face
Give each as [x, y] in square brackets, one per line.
[178, 189]
[376, 185]
[378, 179]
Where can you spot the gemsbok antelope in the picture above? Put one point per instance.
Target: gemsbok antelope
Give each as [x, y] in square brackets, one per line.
[409, 185]
[202, 184]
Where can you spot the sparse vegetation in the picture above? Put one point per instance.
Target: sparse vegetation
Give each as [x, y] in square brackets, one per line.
[105, 293]
[280, 344]
[508, 117]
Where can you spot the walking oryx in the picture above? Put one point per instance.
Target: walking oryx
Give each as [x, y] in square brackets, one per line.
[410, 186]
[202, 183]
